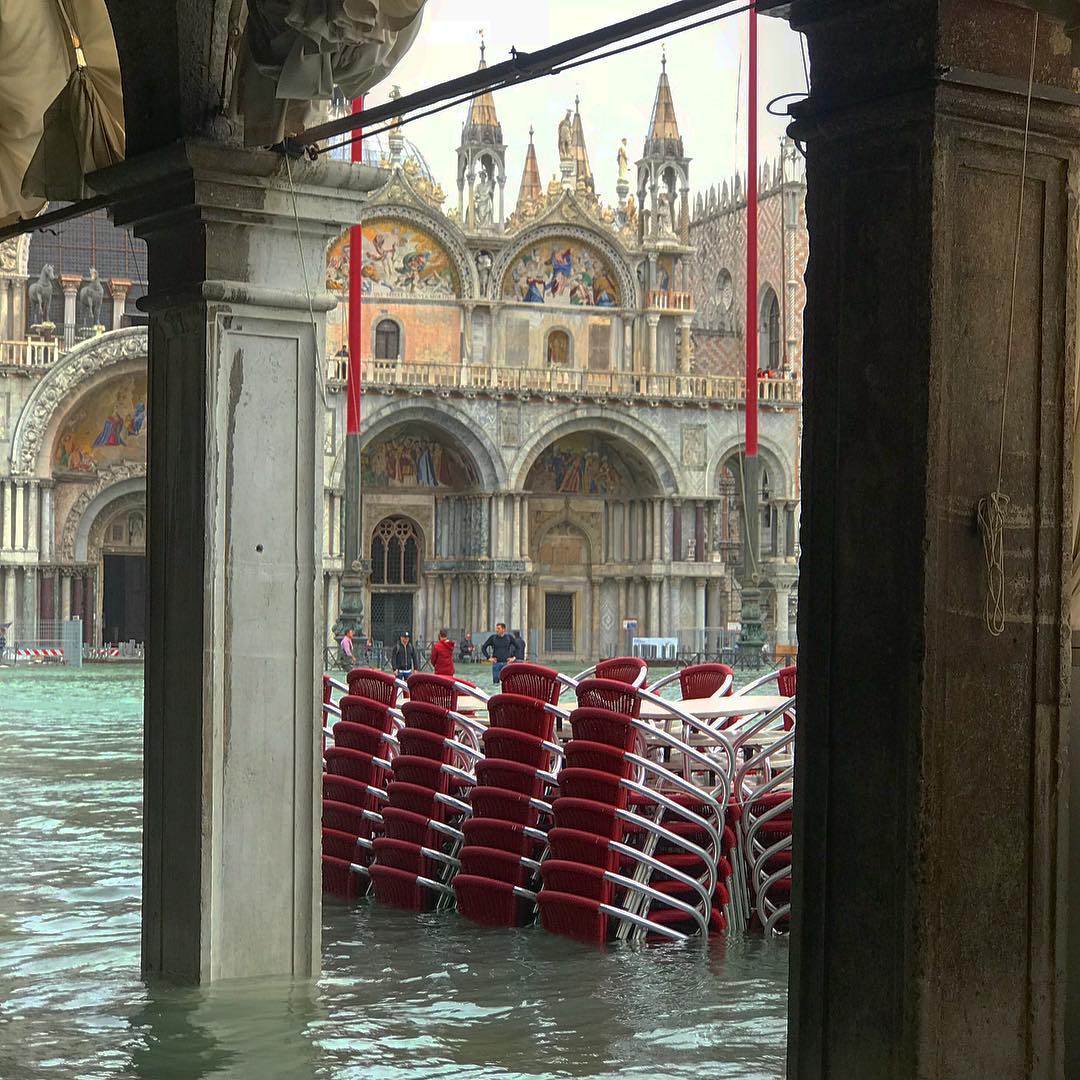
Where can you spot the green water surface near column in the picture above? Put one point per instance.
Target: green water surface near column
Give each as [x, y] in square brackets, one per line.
[400, 996]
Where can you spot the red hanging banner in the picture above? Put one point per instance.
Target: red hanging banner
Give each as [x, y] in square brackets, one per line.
[751, 247]
[356, 336]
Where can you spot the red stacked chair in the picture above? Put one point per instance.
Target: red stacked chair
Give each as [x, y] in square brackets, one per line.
[416, 856]
[765, 820]
[627, 669]
[507, 834]
[531, 681]
[358, 767]
[622, 854]
[704, 680]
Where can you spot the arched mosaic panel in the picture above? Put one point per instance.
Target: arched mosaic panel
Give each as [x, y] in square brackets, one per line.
[399, 260]
[104, 427]
[415, 457]
[561, 272]
[587, 464]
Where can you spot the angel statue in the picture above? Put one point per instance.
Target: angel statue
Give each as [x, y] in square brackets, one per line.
[566, 138]
[624, 162]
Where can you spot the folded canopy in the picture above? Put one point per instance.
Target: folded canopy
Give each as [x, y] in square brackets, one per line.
[61, 106]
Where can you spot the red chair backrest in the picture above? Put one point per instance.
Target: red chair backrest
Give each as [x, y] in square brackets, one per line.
[621, 669]
[520, 713]
[433, 689]
[703, 680]
[426, 717]
[531, 681]
[376, 685]
[604, 726]
[600, 693]
[785, 681]
[364, 711]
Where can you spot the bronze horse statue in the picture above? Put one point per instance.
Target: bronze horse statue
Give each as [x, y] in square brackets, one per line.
[90, 297]
[40, 293]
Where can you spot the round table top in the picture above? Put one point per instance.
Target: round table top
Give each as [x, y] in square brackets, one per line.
[713, 708]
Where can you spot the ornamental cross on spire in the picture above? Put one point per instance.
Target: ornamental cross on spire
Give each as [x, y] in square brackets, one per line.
[483, 47]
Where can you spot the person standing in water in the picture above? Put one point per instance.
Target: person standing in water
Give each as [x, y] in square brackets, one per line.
[500, 650]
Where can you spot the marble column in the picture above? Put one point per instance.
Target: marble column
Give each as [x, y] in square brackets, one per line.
[932, 793]
[524, 549]
[515, 543]
[90, 619]
[447, 588]
[699, 532]
[18, 539]
[654, 359]
[9, 594]
[70, 284]
[119, 290]
[624, 610]
[654, 607]
[592, 646]
[33, 517]
[47, 597]
[233, 533]
[783, 630]
[7, 514]
[678, 553]
[686, 353]
[47, 530]
[665, 607]
[658, 530]
[699, 604]
[526, 592]
[65, 597]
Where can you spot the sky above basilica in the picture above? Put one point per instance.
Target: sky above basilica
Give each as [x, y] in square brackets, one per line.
[616, 94]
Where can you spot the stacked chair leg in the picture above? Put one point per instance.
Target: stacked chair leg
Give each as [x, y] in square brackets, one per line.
[620, 864]
[358, 767]
[507, 834]
[416, 857]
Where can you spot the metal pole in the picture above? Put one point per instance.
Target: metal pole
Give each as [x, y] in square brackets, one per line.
[351, 612]
[752, 247]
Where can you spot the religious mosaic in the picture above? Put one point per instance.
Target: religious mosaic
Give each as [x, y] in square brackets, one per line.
[398, 260]
[108, 425]
[405, 460]
[562, 273]
[579, 465]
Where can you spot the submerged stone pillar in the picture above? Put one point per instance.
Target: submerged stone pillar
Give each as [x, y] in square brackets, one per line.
[237, 308]
[929, 905]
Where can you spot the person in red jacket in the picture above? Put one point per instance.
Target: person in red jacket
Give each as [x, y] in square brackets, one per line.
[442, 655]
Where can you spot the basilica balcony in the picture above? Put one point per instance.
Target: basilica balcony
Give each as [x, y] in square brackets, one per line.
[669, 300]
[30, 357]
[484, 380]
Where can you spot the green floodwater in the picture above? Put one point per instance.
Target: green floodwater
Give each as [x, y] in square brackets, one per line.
[400, 996]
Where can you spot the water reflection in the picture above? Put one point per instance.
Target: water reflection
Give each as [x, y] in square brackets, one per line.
[400, 996]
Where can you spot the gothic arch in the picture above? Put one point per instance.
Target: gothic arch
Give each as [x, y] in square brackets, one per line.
[445, 417]
[111, 483]
[116, 503]
[665, 469]
[50, 398]
[781, 468]
[617, 259]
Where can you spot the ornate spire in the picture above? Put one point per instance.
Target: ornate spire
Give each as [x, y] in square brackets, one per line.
[482, 125]
[585, 182]
[663, 139]
[531, 193]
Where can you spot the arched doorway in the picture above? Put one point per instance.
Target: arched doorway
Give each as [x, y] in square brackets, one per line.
[564, 566]
[396, 552]
[123, 576]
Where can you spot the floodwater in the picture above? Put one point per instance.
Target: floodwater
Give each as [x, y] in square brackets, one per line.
[400, 996]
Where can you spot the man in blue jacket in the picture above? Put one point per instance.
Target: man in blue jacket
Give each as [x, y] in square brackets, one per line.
[501, 648]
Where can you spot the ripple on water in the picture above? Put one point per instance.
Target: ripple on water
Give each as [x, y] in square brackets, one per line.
[400, 996]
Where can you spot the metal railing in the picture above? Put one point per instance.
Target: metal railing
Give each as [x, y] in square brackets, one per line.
[521, 380]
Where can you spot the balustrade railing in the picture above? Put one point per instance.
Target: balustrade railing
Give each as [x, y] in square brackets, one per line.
[30, 354]
[563, 381]
[670, 300]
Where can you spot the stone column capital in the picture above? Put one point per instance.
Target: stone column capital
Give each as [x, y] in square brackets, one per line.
[70, 283]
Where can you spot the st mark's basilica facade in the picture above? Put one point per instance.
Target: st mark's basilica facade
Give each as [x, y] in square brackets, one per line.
[553, 401]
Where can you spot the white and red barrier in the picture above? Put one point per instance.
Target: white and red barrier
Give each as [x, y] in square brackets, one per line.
[39, 654]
